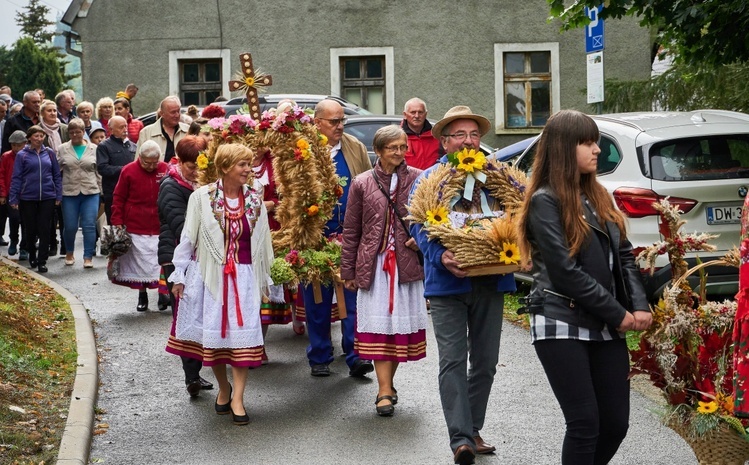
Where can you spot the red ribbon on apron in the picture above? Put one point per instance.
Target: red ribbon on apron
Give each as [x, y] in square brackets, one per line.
[389, 267]
[230, 270]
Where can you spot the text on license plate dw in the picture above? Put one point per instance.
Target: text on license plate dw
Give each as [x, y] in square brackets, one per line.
[724, 215]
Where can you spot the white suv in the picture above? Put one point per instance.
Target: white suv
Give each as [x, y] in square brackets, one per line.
[700, 159]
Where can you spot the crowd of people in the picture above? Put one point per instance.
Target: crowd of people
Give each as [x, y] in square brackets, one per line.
[205, 243]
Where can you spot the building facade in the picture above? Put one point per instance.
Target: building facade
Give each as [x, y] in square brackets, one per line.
[500, 57]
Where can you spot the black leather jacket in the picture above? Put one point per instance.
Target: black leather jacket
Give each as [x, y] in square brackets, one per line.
[585, 290]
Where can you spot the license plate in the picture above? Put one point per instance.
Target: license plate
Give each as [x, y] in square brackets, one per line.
[724, 215]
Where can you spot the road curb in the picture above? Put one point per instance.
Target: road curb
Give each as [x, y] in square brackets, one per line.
[77, 436]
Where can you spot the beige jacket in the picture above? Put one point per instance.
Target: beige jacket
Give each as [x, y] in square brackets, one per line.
[78, 176]
[355, 154]
[153, 132]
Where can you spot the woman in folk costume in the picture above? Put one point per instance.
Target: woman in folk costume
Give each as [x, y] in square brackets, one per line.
[221, 272]
[379, 258]
[135, 207]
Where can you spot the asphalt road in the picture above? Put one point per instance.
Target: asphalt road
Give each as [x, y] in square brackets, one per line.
[298, 419]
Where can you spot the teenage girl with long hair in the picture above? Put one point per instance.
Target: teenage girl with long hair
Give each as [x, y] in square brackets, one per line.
[587, 291]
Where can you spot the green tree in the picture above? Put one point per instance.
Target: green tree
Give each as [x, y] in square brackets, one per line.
[698, 32]
[34, 23]
[6, 61]
[34, 68]
[683, 87]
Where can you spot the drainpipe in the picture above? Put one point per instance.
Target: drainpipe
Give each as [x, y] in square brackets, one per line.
[70, 36]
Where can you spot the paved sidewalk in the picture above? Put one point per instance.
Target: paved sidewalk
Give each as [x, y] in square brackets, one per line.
[298, 419]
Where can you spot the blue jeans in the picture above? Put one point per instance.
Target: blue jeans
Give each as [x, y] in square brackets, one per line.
[467, 328]
[318, 326]
[84, 208]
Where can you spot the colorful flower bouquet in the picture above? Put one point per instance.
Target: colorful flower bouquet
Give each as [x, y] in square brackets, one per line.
[486, 242]
[294, 266]
[688, 350]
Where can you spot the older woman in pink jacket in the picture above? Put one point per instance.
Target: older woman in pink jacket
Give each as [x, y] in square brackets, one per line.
[380, 259]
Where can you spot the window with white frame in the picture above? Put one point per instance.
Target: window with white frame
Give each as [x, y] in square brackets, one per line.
[526, 85]
[200, 81]
[363, 82]
[365, 76]
[199, 76]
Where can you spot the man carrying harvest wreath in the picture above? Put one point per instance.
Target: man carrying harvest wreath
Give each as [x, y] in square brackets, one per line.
[466, 311]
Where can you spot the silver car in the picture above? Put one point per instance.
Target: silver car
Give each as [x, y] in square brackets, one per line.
[700, 159]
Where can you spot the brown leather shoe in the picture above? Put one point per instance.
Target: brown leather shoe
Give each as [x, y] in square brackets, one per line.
[482, 447]
[464, 455]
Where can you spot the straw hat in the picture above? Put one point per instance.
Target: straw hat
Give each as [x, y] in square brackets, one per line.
[460, 112]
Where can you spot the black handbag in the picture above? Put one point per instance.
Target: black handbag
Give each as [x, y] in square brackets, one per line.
[419, 254]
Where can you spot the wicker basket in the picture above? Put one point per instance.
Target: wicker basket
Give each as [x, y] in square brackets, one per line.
[722, 446]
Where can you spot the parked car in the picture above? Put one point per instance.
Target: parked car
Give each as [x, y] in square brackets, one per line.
[363, 127]
[512, 151]
[303, 100]
[699, 159]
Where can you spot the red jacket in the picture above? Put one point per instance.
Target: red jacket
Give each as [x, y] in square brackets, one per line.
[6, 170]
[423, 149]
[133, 128]
[135, 201]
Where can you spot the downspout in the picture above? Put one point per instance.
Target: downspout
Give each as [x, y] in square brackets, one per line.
[69, 37]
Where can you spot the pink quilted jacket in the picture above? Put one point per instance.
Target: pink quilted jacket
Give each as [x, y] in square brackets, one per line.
[364, 226]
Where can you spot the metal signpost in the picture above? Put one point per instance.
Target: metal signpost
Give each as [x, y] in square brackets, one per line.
[594, 45]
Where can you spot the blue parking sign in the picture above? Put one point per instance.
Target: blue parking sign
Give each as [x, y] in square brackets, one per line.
[594, 30]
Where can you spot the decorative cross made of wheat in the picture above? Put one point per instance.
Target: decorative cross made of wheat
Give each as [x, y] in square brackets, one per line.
[249, 80]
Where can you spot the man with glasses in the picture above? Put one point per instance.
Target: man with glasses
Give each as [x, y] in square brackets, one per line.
[466, 311]
[423, 147]
[350, 157]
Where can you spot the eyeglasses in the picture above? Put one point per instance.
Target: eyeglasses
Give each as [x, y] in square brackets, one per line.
[336, 121]
[461, 136]
[396, 148]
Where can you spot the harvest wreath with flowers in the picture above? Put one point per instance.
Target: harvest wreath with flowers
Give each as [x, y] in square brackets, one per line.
[486, 241]
[306, 181]
[687, 351]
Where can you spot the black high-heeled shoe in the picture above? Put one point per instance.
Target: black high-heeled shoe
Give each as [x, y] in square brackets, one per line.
[142, 302]
[224, 409]
[240, 420]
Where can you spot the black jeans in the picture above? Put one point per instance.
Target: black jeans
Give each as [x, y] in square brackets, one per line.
[14, 222]
[36, 216]
[190, 366]
[589, 379]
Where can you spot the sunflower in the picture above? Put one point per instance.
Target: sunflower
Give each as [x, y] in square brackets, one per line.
[707, 407]
[510, 254]
[249, 81]
[202, 161]
[438, 216]
[471, 160]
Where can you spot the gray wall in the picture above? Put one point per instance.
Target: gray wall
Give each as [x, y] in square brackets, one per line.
[444, 51]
